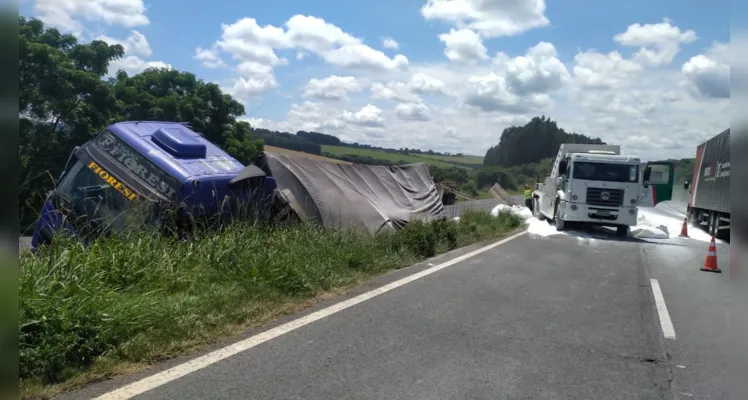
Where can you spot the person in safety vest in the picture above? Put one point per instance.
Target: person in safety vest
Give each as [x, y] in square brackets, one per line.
[528, 197]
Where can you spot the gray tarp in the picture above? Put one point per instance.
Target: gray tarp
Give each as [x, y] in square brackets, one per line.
[371, 197]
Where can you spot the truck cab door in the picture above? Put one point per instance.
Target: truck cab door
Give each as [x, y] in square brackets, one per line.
[657, 183]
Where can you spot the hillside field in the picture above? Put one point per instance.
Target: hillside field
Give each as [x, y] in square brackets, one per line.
[466, 159]
[435, 160]
[273, 149]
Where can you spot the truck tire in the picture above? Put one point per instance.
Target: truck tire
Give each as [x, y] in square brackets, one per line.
[711, 222]
[622, 231]
[695, 218]
[560, 223]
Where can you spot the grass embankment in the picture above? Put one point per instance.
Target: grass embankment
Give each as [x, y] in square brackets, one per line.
[124, 303]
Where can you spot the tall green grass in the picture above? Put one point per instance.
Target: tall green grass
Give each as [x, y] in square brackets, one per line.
[145, 297]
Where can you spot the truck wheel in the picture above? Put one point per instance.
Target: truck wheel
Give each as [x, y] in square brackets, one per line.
[695, 218]
[560, 223]
[622, 231]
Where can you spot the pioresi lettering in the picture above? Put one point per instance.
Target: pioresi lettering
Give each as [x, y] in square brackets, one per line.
[134, 162]
[108, 178]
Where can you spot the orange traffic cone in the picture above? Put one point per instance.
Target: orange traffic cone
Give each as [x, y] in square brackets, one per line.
[710, 264]
[684, 228]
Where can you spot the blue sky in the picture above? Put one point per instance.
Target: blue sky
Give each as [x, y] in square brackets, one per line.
[670, 75]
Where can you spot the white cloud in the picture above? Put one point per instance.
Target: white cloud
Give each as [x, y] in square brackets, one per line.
[710, 73]
[254, 69]
[135, 43]
[520, 84]
[244, 88]
[316, 35]
[245, 40]
[593, 70]
[539, 71]
[412, 112]
[463, 102]
[390, 43]
[463, 46]
[253, 45]
[333, 87]
[368, 116]
[72, 15]
[659, 43]
[361, 56]
[134, 65]
[491, 93]
[422, 83]
[209, 58]
[491, 18]
[396, 91]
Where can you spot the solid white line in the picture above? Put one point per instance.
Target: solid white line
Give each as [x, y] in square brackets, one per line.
[193, 365]
[665, 322]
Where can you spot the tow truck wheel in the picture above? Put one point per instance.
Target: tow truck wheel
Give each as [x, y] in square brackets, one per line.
[560, 223]
[622, 231]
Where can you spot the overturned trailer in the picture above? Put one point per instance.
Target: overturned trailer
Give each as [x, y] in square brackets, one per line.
[340, 196]
[156, 166]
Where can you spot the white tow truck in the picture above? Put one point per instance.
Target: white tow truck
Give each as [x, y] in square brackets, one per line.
[595, 184]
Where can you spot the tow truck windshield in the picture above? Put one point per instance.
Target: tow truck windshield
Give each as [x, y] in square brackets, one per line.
[605, 172]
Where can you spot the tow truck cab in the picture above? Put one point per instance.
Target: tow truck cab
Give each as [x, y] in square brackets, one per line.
[146, 166]
[594, 184]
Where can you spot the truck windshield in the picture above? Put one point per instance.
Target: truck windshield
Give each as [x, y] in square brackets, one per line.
[605, 172]
[99, 199]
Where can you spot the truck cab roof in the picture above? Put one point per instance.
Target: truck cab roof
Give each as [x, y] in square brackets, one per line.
[177, 149]
[606, 158]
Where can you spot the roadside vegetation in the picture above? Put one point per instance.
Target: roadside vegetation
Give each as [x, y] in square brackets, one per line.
[125, 302]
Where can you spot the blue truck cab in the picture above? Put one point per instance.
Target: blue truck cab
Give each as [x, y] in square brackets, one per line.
[146, 163]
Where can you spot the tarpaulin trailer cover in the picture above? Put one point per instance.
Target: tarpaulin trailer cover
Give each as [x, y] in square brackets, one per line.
[371, 197]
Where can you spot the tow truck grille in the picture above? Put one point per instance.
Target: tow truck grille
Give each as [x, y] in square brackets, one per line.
[605, 197]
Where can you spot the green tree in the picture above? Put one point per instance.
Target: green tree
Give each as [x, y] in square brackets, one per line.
[170, 95]
[62, 103]
[538, 139]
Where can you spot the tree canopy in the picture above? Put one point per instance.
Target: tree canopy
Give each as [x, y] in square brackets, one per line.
[538, 139]
[65, 100]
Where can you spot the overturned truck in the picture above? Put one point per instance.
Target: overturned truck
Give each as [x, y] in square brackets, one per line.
[166, 169]
[370, 197]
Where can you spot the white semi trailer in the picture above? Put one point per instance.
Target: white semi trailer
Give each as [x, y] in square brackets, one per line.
[595, 184]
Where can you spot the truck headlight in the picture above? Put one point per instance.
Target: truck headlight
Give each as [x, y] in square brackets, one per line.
[633, 201]
[632, 211]
[574, 197]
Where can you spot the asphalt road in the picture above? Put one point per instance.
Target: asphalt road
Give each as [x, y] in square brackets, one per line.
[558, 317]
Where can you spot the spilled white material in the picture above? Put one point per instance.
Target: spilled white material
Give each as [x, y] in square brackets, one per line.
[661, 223]
[534, 225]
[523, 213]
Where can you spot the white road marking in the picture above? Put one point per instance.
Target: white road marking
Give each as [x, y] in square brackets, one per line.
[196, 364]
[665, 322]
